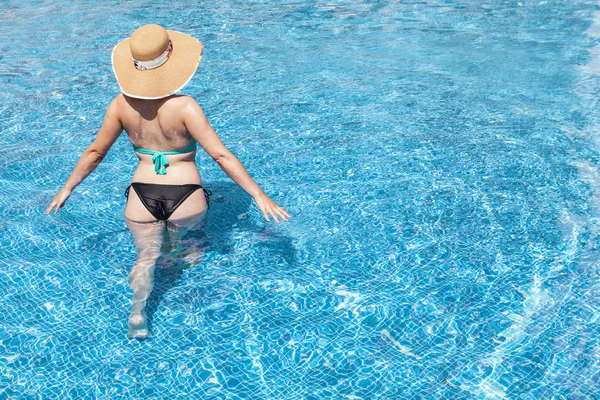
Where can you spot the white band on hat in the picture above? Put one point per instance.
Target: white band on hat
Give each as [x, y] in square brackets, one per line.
[157, 62]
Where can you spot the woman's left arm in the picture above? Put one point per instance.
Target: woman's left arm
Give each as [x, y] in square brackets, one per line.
[92, 156]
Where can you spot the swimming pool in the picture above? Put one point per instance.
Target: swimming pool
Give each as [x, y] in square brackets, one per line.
[440, 160]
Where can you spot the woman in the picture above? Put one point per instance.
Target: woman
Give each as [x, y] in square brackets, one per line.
[164, 199]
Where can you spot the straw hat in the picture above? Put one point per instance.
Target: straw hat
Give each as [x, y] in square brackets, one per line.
[155, 63]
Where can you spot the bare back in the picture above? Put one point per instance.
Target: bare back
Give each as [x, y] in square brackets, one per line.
[162, 125]
[158, 125]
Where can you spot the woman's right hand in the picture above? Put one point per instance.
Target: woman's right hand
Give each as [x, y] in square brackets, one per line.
[197, 125]
[59, 200]
[269, 207]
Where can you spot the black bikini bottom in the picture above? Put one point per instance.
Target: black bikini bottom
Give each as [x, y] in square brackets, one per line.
[163, 200]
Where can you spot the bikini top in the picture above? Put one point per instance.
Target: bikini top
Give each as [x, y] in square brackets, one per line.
[160, 157]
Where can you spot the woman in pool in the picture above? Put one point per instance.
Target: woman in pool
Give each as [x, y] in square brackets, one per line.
[165, 198]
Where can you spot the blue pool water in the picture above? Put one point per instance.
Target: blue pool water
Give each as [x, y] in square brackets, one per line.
[441, 163]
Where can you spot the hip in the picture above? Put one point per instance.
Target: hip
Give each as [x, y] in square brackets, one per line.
[147, 202]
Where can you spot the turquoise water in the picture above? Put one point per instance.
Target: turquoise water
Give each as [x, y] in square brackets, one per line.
[440, 160]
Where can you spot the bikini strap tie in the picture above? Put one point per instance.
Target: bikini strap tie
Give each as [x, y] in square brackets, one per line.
[207, 194]
[160, 163]
[160, 157]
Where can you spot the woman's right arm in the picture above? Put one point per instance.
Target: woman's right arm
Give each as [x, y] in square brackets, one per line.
[198, 126]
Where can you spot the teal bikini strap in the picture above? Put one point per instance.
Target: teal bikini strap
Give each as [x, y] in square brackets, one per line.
[160, 157]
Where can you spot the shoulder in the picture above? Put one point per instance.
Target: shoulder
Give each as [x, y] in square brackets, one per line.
[115, 106]
[189, 106]
[117, 103]
[187, 101]
[118, 100]
[181, 103]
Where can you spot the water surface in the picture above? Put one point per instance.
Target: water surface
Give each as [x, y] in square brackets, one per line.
[439, 158]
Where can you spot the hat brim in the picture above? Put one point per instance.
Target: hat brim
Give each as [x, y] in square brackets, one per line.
[159, 82]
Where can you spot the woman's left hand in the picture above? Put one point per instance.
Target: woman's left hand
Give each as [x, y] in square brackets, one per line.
[59, 200]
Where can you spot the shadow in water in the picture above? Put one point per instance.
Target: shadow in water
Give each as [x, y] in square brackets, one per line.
[228, 207]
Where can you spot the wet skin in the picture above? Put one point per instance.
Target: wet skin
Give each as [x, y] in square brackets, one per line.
[162, 125]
